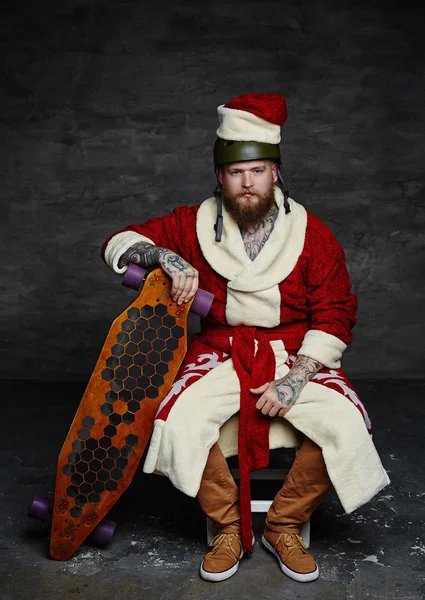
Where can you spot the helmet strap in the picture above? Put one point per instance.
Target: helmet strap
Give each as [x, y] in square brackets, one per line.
[218, 227]
[285, 192]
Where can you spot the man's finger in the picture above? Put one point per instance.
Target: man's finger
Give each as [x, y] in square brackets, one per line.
[275, 409]
[186, 289]
[193, 289]
[267, 407]
[261, 389]
[176, 282]
[261, 402]
[180, 286]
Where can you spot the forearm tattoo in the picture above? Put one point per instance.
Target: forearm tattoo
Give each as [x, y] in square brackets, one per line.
[289, 387]
[143, 254]
[255, 236]
[147, 255]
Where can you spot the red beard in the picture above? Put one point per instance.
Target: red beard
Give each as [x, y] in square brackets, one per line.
[248, 214]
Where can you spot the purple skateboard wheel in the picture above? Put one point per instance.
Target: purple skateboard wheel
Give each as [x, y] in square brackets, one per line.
[39, 508]
[133, 277]
[202, 303]
[104, 532]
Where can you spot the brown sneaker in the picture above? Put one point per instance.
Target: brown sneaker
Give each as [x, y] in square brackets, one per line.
[222, 561]
[294, 558]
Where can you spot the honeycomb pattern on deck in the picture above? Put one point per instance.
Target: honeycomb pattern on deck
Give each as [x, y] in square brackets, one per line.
[135, 370]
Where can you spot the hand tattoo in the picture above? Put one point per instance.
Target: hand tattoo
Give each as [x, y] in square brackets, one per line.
[289, 387]
[289, 390]
[173, 263]
[255, 236]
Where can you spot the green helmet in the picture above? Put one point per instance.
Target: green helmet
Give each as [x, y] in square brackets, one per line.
[228, 151]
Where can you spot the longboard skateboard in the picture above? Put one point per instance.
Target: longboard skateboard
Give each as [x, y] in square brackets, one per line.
[137, 365]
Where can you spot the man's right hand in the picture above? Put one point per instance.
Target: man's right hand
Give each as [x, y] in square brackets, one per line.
[184, 277]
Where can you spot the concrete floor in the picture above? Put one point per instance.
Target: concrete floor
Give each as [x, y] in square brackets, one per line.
[376, 553]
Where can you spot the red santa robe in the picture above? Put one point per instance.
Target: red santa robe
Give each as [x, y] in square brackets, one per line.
[294, 298]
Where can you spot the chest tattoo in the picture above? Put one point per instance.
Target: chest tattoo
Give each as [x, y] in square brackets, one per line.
[255, 236]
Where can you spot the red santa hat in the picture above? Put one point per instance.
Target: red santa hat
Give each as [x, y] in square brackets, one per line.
[252, 118]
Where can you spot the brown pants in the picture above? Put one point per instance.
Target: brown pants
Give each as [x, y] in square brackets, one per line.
[305, 486]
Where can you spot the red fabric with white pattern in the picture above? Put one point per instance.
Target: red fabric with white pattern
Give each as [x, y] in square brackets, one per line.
[196, 365]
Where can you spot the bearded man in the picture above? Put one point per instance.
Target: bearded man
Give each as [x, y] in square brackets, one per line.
[264, 371]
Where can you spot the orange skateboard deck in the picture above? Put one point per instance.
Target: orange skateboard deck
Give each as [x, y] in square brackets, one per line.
[137, 365]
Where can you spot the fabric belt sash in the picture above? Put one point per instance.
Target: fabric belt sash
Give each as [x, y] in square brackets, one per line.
[253, 368]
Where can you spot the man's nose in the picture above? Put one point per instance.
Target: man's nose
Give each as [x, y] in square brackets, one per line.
[246, 179]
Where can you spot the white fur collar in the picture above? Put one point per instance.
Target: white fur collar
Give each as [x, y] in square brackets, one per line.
[277, 258]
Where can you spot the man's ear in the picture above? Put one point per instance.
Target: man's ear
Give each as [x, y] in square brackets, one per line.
[220, 175]
[274, 172]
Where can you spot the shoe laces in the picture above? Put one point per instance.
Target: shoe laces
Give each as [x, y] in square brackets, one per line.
[292, 541]
[226, 539]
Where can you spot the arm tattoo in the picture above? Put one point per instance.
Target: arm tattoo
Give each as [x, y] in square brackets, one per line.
[307, 366]
[143, 254]
[147, 255]
[289, 387]
[255, 236]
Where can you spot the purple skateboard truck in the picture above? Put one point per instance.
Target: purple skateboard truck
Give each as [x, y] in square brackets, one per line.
[134, 276]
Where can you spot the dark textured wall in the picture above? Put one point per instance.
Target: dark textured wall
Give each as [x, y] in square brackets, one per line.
[108, 116]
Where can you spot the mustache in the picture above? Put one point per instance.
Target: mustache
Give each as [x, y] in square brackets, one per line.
[253, 191]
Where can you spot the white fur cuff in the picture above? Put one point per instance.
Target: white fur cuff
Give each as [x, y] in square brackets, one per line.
[119, 244]
[324, 347]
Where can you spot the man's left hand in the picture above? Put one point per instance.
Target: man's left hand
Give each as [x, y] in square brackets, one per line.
[277, 397]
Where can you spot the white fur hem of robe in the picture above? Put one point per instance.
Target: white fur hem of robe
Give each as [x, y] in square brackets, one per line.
[180, 445]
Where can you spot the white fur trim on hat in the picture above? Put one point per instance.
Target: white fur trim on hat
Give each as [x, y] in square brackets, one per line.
[243, 126]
